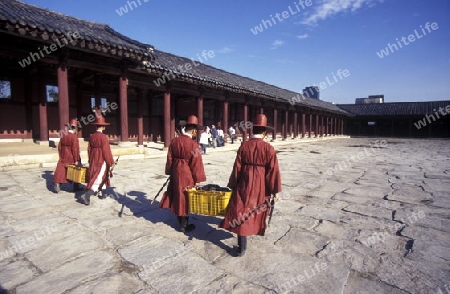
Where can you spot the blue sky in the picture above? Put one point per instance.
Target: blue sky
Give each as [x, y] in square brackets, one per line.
[311, 43]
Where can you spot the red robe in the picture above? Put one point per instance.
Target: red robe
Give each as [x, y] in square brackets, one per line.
[99, 152]
[254, 178]
[69, 153]
[185, 166]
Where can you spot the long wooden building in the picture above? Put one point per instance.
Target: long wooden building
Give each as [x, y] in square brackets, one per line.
[429, 119]
[55, 67]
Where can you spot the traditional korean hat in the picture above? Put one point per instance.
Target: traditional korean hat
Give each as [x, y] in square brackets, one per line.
[193, 120]
[74, 123]
[261, 121]
[100, 121]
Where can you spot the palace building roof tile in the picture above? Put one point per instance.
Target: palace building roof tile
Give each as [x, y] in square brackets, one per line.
[395, 108]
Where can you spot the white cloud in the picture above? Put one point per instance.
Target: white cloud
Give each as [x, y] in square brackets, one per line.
[304, 36]
[332, 7]
[251, 56]
[225, 50]
[276, 44]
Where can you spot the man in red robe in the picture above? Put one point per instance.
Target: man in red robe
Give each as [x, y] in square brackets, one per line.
[69, 153]
[100, 159]
[255, 177]
[185, 167]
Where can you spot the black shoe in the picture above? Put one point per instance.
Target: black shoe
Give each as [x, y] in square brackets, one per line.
[101, 195]
[85, 198]
[57, 187]
[241, 252]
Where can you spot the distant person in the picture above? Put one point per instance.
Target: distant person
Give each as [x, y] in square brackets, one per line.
[255, 177]
[220, 137]
[69, 153]
[232, 133]
[100, 159]
[203, 141]
[214, 135]
[184, 165]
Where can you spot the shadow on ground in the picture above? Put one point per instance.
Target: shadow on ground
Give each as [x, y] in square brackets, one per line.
[206, 226]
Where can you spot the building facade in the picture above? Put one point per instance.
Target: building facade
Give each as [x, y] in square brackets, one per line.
[56, 67]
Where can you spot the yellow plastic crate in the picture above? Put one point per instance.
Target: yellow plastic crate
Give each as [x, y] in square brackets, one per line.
[77, 174]
[208, 202]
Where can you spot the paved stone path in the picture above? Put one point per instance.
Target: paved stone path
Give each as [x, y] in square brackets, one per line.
[356, 216]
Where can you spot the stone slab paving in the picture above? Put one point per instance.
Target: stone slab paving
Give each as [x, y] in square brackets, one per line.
[354, 217]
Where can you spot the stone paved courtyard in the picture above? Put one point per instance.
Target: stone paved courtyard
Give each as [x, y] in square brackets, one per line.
[358, 215]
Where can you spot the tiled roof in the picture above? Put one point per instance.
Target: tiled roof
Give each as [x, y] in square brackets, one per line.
[394, 108]
[33, 21]
[217, 76]
[42, 24]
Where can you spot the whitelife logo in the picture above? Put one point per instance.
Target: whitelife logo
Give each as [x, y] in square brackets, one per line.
[411, 38]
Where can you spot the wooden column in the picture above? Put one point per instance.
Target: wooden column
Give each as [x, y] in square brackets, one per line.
[326, 126]
[123, 104]
[321, 126]
[286, 124]
[225, 118]
[140, 117]
[245, 131]
[334, 126]
[29, 84]
[43, 121]
[261, 109]
[303, 125]
[166, 119]
[295, 124]
[63, 96]
[173, 111]
[79, 99]
[200, 109]
[310, 124]
[316, 130]
[274, 133]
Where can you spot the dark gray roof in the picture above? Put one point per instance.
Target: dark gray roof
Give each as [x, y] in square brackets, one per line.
[167, 61]
[394, 108]
[42, 24]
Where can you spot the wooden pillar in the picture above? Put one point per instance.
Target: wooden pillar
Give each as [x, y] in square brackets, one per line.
[274, 133]
[342, 126]
[245, 131]
[43, 120]
[173, 111]
[225, 118]
[200, 109]
[295, 124]
[28, 132]
[286, 124]
[261, 109]
[123, 101]
[333, 126]
[140, 117]
[310, 124]
[321, 126]
[63, 96]
[330, 127]
[316, 129]
[326, 126]
[166, 119]
[79, 101]
[303, 125]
